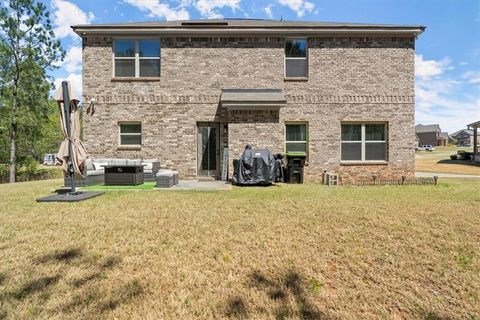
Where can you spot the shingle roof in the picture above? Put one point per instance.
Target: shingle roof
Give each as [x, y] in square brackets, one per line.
[232, 25]
[468, 131]
[247, 23]
[420, 128]
[444, 135]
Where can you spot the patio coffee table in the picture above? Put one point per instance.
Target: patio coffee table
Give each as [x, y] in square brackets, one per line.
[123, 175]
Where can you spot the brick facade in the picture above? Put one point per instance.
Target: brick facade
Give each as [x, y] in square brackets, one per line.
[350, 79]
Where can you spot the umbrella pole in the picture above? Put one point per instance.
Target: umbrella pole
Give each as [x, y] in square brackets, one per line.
[67, 107]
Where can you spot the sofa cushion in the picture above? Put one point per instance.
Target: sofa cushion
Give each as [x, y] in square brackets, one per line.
[99, 165]
[164, 173]
[133, 162]
[117, 162]
[89, 164]
[95, 172]
[147, 166]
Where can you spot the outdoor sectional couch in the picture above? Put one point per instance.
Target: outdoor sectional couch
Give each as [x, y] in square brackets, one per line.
[95, 172]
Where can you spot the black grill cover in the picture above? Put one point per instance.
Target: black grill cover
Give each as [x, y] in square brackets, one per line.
[255, 167]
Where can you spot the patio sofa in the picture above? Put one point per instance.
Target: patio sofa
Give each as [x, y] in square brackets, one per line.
[95, 172]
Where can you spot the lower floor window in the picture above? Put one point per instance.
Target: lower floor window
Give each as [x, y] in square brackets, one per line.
[296, 138]
[364, 142]
[130, 133]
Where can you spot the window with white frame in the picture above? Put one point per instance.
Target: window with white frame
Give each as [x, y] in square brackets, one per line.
[296, 138]
[296, 63]
[364, 142]
[136, 58]
[130, 133]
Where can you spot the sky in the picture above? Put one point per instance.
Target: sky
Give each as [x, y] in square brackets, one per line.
[447, 54]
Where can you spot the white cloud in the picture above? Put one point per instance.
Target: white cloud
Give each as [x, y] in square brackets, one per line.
[299, 6]
[73, 59]
[472, 77]
[67, 14]
[439, 98]
[159, 10]
[429, 68]
[268, 11]
[207, 7]
[75, 80]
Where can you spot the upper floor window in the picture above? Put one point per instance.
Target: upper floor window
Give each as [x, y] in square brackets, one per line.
[364, 142]
[296, 63]
[296, 138]
[136, 58]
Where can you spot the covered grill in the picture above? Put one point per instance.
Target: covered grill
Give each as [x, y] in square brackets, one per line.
[256, 167]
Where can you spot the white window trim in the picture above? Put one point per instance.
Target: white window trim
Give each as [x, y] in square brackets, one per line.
[362, 141]
[136, 57]
[120, 134]
[305, 123]
[285, 58]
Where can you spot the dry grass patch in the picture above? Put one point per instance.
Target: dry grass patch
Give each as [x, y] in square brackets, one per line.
[439, 161]
[284, 252]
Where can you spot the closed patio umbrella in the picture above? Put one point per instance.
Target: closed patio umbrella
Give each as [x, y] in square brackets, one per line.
[72, 153]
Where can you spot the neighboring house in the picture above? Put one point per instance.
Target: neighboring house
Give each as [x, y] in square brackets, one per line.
[464, 137]
[431, 134]
[183, 91]
[443, 139]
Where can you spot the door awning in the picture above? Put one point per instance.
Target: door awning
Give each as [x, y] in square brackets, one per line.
[236, 99]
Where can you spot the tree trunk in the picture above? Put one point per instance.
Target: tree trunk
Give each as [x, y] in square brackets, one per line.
[13, 137]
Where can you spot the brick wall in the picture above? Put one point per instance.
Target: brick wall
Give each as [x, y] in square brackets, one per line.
[364, 79]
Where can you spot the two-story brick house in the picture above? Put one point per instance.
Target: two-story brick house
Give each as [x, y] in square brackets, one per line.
[183, 91]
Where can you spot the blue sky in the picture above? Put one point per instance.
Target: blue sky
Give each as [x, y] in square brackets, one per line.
[447, 54]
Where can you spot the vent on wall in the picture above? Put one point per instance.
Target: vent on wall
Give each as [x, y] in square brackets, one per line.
[206, 23]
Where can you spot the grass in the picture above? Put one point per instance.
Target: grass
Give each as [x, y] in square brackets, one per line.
[439, 161]
[284, 252]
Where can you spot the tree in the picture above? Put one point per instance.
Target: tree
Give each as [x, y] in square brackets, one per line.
[28, 49]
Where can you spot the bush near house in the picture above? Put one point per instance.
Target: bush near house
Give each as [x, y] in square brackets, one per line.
[31, 171]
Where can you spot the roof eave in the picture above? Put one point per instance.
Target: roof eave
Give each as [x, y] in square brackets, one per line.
[472, 125]
[121, 31]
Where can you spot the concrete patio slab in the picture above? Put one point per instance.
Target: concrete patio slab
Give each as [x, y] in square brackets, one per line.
[199, 185]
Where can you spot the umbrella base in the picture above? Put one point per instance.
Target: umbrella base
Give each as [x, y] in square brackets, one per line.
[71, 197]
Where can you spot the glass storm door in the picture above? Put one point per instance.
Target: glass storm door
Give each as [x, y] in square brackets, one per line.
[208, 149]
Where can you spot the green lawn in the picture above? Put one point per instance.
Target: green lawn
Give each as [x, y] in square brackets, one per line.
[285, 252]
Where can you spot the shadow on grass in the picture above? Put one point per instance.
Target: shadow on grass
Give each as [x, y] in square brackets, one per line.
[3, 277]
[35, 286]
[431, 315]
[66, 255]
[283, 289]
[108, 263]
[89, 295]
[461, 162]
[236, 308]
[124, 294]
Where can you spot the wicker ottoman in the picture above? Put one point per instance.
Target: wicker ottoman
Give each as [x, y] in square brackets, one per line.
[165, 179]
[168, 172]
